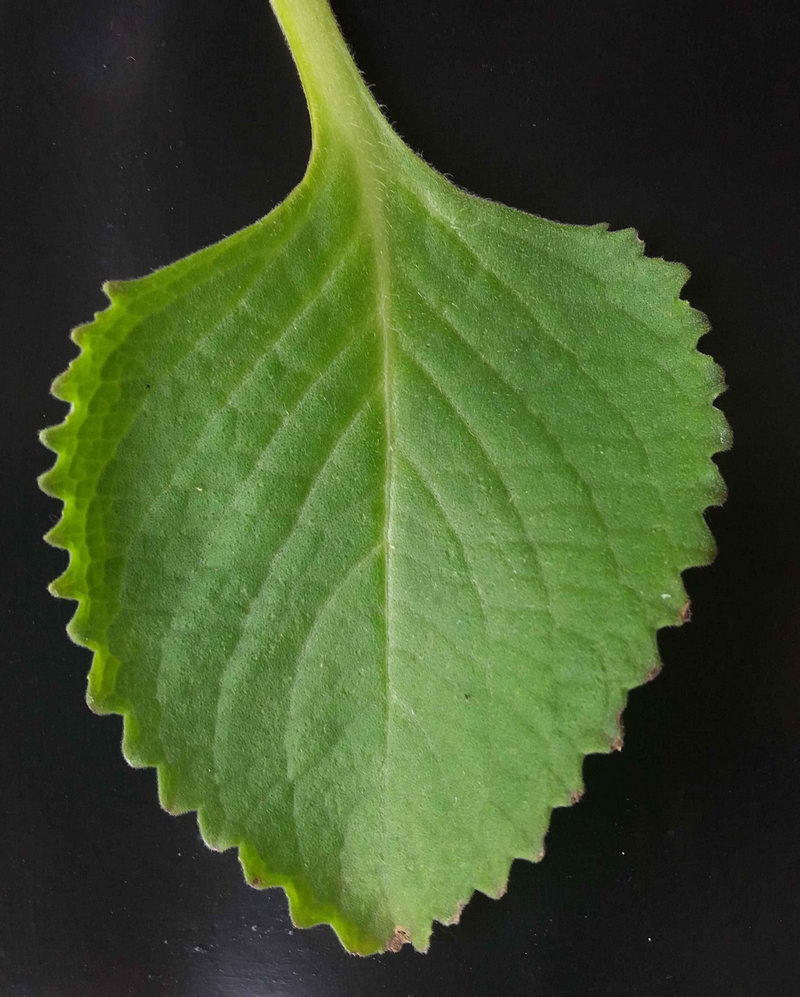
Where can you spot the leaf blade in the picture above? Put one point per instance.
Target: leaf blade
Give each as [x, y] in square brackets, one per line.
[416, 542]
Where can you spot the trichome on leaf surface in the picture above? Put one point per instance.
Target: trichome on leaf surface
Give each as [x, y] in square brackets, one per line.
[374, 510]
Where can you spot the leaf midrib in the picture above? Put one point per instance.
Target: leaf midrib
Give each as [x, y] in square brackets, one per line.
[340, 104]
[365, 149]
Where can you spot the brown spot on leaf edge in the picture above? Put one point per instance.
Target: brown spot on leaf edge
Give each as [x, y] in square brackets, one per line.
[457, 915]
[686, 612]
[616, 744]
[654, 672]
[400, 938]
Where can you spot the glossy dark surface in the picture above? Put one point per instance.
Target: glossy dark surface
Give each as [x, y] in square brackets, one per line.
[132, 133]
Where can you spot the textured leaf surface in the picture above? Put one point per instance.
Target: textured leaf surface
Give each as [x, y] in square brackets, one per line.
[374, 510]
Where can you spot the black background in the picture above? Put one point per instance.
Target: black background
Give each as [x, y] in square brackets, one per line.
[136, 132]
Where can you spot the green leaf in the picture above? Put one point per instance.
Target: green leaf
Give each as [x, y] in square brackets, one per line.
[374, 510]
